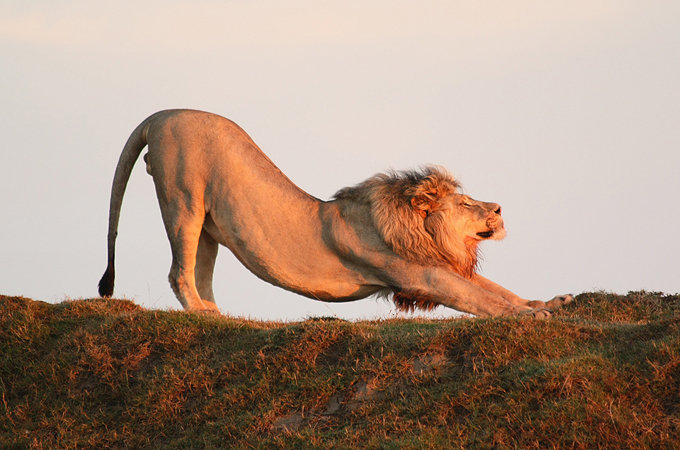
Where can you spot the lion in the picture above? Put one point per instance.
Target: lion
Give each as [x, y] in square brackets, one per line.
[412, 235]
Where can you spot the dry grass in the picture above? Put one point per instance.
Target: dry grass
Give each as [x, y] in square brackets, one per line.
[106, 373]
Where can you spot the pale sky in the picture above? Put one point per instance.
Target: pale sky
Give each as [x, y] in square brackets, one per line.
[566, 113]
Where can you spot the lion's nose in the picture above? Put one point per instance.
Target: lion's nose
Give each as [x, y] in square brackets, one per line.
[496, 208]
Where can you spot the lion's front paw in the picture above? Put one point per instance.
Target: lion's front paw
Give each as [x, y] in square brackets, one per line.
[538, 313]
[542, 313]
[559, 301]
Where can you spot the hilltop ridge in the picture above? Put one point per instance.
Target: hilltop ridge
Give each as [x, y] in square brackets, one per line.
[604, 371]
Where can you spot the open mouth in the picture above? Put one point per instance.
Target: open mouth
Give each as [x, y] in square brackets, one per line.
[485, 234]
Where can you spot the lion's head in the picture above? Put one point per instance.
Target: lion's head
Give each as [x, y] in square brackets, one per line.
[422, 216]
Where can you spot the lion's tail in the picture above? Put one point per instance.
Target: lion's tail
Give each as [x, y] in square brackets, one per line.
[133, 147]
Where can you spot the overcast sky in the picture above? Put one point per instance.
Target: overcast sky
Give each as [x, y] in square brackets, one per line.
[567, 113]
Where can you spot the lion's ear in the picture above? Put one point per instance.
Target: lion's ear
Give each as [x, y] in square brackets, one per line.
[427, 193]
[425, 202]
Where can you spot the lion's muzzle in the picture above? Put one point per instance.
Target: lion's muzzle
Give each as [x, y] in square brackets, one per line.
[496, 228]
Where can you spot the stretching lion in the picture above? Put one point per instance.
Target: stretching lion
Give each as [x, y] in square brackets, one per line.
[410, 234]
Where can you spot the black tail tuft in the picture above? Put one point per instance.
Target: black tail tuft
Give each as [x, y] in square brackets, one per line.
[106, 283]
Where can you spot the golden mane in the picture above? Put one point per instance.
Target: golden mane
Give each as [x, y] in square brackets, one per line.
[408, 209]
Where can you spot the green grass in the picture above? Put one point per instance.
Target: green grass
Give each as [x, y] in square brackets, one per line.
[604, 372]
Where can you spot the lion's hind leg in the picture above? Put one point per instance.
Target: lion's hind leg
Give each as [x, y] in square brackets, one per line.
[205, 265]
[184, 228]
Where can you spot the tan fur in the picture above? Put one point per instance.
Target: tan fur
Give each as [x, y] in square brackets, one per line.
[410, 234]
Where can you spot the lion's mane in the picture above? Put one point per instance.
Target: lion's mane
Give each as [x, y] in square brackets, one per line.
[409, 211]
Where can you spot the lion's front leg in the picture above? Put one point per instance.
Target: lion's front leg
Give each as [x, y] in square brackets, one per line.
[442, 286]
[559, 301]
[508, 295]
[556, 303]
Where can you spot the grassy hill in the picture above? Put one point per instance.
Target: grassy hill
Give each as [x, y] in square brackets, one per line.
[605, 371]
